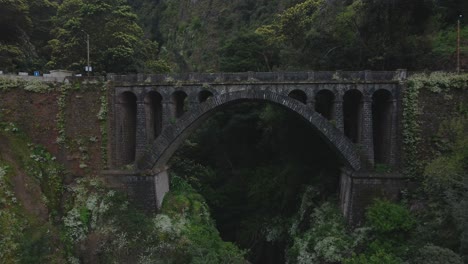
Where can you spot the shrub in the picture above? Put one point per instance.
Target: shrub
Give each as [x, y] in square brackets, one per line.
[386, 217]
[431, 254]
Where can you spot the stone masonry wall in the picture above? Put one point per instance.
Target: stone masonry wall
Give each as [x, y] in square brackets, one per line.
[37, 115]
[435, 109]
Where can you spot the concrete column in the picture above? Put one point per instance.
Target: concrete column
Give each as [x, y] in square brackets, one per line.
[141, 133]
[345, 192]
[161, 186]
[367, 137]
[338, 112]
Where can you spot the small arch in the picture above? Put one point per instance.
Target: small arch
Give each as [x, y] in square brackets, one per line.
[298, 95]
[324, 103]
[204, 95]
[179, 103]
[382, 111]
[127, 102]
[153, 110]
[352, 114]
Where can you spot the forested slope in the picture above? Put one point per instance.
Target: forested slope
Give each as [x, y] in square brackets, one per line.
[243, 35]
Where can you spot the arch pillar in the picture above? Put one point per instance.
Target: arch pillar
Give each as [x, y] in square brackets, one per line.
[119, 135]
[338, 113]
[168, 113]
[192, 104]
[141, 133]
[393, 139]
[311, 102]
[367, 136]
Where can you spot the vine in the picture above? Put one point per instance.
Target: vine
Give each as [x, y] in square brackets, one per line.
[436, 82]
[62, 102]
[102, 117]
[35, 86]
[411, 128]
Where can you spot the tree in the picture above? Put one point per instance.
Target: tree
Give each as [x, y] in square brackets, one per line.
[14, 25]
[247, 51]
[116, 40]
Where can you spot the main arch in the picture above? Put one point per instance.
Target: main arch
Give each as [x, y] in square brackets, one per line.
[160, 150]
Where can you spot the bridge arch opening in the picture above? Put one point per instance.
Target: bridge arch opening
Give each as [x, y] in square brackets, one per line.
[153, 113]
[382, 112]
[324, 100]
[156, 156]
[127, 102]
[298, 95]
[252, 161]
[329, 147]
[352, 114]
[179, 100]
[204, 95]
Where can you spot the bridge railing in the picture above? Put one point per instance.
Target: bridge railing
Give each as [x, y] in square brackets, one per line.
[311, 76]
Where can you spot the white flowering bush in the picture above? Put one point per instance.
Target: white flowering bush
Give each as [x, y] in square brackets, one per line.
[42, 167]
[319, 233]
[91, 202]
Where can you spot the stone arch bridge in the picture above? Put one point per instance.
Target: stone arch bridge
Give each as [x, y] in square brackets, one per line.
[356, 113]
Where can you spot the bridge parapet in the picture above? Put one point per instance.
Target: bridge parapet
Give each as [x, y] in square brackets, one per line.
[260, 77]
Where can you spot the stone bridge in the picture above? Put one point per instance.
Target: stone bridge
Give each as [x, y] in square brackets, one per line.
[356, 113]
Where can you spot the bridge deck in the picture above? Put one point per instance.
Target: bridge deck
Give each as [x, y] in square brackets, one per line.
[260, 77]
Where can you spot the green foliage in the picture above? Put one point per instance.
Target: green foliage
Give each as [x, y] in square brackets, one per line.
[446, 179]
[444, 47]
[185, 205]
[117, 45]
[382, 168]
[437, 82]
[431, 254]
[102, 117]
[379, 257]
[26, 238]
[7, 84]
[14, 20]
[385, 217]
[43, 167]
[411, 129]
[12, 223]
[247, 52]
[326, 239]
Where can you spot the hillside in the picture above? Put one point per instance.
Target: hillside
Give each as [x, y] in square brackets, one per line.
[244, 35]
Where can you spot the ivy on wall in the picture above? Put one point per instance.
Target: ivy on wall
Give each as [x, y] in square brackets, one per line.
[61, 102]
[437, 82]
[35, 86]
[102, 117]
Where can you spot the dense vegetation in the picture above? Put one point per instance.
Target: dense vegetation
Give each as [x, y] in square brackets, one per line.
[268, 198]
[215, 35]
[270, 191]
[252, 184]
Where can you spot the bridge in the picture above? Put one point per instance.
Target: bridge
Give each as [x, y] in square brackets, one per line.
[356, 113]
